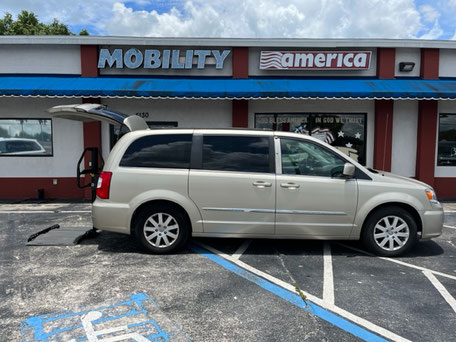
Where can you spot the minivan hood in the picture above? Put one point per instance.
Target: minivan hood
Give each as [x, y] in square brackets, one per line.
[393, 178]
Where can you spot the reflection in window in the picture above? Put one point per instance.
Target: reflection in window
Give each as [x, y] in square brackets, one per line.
[304, 158]
[346, 132]
[447, 140]
[25, 137]
[236, 153]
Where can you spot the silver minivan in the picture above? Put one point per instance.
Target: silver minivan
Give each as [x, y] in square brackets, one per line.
[166, 185]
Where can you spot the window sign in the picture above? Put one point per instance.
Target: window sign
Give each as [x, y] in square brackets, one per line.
[446, 155]
[25, 137]
[347, 132]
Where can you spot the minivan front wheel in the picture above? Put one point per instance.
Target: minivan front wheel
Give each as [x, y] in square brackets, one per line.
[161, 229]
[390, 231]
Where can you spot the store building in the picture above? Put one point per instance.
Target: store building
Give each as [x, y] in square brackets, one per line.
[387, 103]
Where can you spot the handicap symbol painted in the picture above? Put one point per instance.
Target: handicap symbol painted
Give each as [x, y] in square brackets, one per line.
[135, 318]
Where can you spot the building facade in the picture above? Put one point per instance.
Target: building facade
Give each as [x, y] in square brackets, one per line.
[389, 104]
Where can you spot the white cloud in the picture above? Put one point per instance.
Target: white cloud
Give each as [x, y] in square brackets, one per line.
[270, 18]
[430, 14]
[434, 33]
[243, 18]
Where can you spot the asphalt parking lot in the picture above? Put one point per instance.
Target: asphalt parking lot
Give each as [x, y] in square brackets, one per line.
[106, 289]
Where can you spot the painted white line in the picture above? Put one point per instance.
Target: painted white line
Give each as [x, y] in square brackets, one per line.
[242, 248]
[74, 211]
[328, 278]
[449, 211]
[341, 312]
[401, 262]
[443, 291]
[451, 227]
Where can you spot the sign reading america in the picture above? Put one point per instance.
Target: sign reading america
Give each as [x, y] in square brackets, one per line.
[315, 60]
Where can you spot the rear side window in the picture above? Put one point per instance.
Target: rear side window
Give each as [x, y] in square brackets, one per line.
[236, 153]
[161, 151]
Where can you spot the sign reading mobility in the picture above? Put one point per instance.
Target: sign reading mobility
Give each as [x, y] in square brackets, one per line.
[165, 59]
[315, 60]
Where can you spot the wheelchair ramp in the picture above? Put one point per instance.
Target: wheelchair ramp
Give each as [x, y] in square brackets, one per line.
[59, 236]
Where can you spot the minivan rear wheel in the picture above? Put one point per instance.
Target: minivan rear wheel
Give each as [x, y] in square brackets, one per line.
[390, 231]
[161, 229]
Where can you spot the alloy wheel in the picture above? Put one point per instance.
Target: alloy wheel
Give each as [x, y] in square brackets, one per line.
[161, 230]
[391, 233]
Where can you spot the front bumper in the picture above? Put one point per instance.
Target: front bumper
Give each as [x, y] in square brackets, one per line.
[432, 223]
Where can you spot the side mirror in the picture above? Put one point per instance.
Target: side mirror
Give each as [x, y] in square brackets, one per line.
[349, 170]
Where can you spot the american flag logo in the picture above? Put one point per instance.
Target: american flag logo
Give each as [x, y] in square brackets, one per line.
[323, 134]
[271, 60]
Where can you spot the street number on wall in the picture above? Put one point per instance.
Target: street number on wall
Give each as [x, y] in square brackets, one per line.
[143, 115]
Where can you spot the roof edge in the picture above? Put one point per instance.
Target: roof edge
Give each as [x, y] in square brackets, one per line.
[228, 42]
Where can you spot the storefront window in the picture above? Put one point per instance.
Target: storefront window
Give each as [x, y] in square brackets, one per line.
[347, 132]
[446, 155]
[25, 137]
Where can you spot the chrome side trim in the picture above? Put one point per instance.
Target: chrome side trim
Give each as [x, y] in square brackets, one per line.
[277, 223]
[237, 222]
[310, 212]
[313, 224]
[301, 212]
[241, 210]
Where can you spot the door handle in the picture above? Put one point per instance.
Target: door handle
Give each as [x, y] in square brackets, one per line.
[290, 185]
[261, 184]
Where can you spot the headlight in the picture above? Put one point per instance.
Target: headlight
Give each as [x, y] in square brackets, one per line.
[431, 195]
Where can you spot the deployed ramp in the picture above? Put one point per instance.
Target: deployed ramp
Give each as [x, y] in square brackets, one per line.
[57, 236]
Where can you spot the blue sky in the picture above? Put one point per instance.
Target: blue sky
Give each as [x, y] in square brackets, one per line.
[421, 19]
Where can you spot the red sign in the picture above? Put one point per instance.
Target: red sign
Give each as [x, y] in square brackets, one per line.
[315, 60]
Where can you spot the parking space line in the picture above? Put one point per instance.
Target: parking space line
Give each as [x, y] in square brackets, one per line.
[447, 226]
[400, 262]
[242, 248]
[443, 291]
[337, 316]
[328, 278]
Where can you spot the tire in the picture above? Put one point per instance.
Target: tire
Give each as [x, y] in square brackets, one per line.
[390, 231]
[162, 229]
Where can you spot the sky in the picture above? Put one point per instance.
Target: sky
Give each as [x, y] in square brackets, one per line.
[417, 19]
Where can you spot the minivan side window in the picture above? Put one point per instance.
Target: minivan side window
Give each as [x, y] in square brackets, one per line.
[309, 159]
[236, 153]
[161, 151]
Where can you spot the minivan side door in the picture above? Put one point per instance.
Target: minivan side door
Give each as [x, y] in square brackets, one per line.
[232, 182]
[313, 197]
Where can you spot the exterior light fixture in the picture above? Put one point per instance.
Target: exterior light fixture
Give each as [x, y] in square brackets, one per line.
[406, 66]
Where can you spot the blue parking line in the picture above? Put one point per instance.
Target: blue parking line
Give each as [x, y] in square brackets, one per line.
[293, 298]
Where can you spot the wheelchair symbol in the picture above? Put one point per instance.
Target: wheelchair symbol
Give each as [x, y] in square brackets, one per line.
[92, 334]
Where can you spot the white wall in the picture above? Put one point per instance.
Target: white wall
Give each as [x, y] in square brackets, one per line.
[187, 113]
[67, 140]
[444, 171]
[40, 59]
[405, 126]
[408, 55]
[320, 106]
[447, 63]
